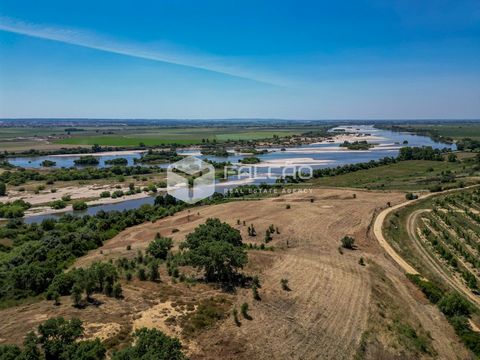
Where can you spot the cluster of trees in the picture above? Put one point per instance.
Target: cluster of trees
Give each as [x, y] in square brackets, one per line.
[57, 339]
[356, 145]
[454, 307]
[60, 339]
[250, 160]
[117, 161]
[40, 252]
[70, 150]
[21, 176]
[345, 169]
[87, 160]
[48, 163]
[468, 144]
[151, 344]
[251, 150]
[152, 157]
[421, 153]
[217, 248]
[215, 151]
[14, 209]
[100, 277]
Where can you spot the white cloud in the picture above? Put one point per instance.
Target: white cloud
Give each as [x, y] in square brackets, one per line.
[164, 54]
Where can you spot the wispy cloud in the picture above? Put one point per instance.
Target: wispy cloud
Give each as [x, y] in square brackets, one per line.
[165, 54]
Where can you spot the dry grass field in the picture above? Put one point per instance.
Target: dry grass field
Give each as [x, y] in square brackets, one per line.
[335, 309]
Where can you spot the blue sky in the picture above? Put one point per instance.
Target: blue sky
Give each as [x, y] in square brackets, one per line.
[373, 59]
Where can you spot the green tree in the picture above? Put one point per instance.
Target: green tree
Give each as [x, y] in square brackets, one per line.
[151, 344]
[117, 291]
[160, 247]
[217, 248]
[56, 334]
[3, 189]
[153, 274]
[77, 291]
[31, 350]
[9, 352]
[452, 157]
[348, 242]
[79, 205]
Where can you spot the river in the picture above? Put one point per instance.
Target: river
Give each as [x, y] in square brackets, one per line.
[320, 155]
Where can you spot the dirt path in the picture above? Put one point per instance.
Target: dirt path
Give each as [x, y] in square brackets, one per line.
[378, 231]
[379, 222]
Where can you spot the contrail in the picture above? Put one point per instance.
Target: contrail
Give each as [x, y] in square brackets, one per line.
[101, 43]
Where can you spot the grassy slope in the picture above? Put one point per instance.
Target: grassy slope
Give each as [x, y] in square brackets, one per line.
[405, 175]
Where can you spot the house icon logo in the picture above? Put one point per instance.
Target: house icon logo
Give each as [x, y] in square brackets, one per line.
[190, 179]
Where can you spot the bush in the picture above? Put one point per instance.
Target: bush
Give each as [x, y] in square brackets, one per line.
[436, 188]
[48, 163]
[454, 305]
[105, 194]
[57, 339]
[117, 291]
[80, 205]
[66, 198]
[151, 344]
[284, 283]
[142, 276]
[153, 274]
[160, 247]
[411, 196]
[348, 242]
[58, 204]
[3, 189]
[235, 317]
[244, 310]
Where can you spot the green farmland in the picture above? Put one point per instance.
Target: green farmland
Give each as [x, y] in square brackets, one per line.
[405, 175]
[183, 136]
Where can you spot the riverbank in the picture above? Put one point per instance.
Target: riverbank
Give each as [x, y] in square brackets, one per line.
[104, 153]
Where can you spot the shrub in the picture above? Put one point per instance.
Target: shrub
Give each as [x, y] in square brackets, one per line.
[436, 188]
[268, 237]
[348, 242]
[151, 344]
[244, 310]
[160, 247]
[79, 205]
[284, 283]
[117, 290]
[287, 206]
[411, 196]
[454, 305]
[105, 194]
[255, 293]
[153, 274]
[142, 276]
[3, 189]
[66, 198]
[58, 204]
[235, 317]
